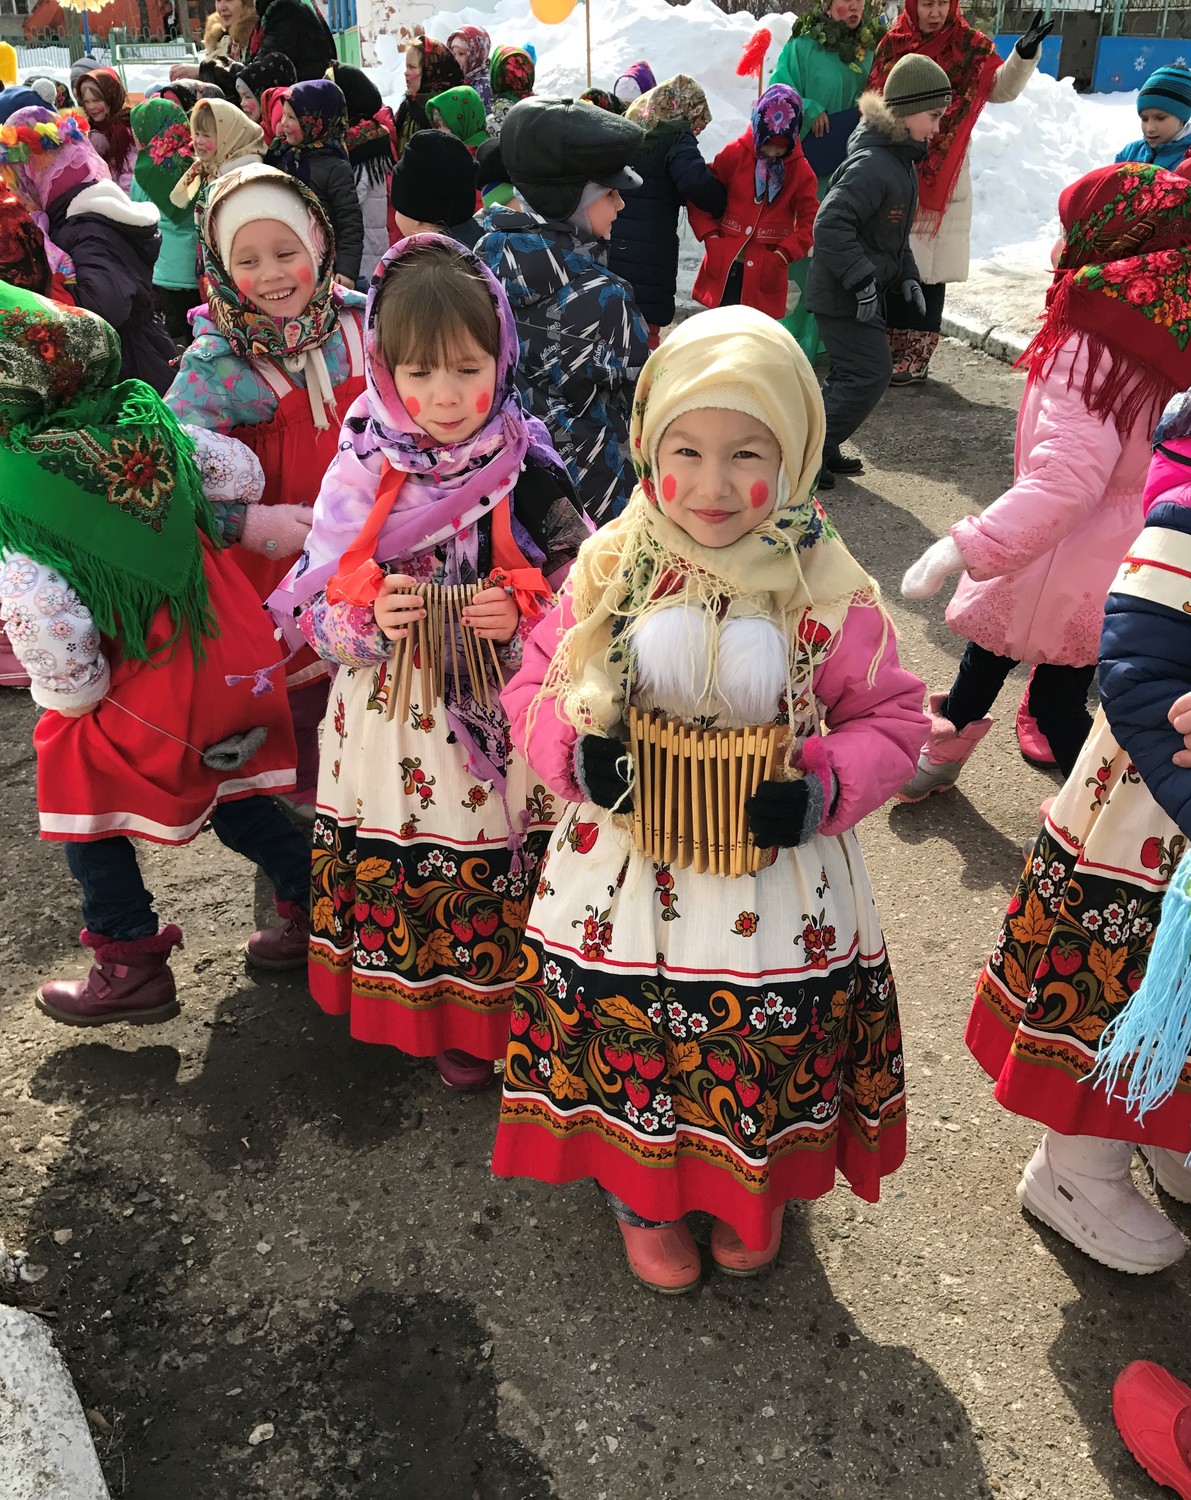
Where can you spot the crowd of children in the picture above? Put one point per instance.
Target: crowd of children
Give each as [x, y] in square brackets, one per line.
[203, 415]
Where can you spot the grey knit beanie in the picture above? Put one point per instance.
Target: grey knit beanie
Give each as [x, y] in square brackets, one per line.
[916, 84]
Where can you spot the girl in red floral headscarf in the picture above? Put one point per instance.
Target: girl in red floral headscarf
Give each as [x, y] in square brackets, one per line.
[430, 68]
[1038, 562]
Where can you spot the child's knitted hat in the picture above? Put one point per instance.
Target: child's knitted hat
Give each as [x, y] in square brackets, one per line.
[260, 192]
[435, 180]
[916, 84]
[1169, 89]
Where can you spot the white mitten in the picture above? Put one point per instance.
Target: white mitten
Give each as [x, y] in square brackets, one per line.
[927, 575]
[276, 530]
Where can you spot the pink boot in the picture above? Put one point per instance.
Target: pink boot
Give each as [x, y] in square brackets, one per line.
[944, 753]
[285, 946]
[1034, 744]
[129, 981]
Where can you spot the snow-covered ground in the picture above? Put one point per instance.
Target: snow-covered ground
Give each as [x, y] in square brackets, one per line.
[1023, 154]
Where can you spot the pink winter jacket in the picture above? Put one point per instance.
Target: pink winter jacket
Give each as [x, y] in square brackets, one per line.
[876, 732]
[1041, 558]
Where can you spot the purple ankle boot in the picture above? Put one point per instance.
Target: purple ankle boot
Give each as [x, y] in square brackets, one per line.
[129, 981]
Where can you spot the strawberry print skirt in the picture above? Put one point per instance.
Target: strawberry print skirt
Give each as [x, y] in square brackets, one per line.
[1072, 950]
[418, 903]
[697, 1042]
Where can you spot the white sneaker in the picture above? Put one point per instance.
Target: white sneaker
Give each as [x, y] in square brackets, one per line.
[1170, 1171]
[1080, 1186]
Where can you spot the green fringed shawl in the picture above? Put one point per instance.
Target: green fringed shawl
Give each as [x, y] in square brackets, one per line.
[97, 480]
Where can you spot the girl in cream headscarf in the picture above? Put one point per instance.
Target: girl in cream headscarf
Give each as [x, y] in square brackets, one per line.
[690, 1040]
[224, 140]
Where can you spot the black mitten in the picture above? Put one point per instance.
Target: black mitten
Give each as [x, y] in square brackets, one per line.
[1034, 35]
[784, 814]
[602, 771]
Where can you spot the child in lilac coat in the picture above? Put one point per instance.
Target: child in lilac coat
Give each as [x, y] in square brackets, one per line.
[691, 1040]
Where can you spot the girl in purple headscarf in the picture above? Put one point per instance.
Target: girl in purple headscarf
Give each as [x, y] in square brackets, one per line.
[430, 829]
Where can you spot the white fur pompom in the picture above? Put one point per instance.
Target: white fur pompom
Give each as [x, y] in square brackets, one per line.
[673, 648]
[752, 669]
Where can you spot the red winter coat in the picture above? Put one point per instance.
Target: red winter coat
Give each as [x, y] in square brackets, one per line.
[769, 235]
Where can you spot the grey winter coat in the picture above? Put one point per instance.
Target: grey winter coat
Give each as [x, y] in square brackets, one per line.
[862, 229]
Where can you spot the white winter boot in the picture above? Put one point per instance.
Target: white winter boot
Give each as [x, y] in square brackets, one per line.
[1080, 1185]
[1170, 1171]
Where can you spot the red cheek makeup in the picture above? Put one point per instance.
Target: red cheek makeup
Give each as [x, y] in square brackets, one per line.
[414, 407]
[759, 493]
[483, 402]
[669, 487]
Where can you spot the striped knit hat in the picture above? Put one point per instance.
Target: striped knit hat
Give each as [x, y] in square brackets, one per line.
[916, 84]
[1169, 89]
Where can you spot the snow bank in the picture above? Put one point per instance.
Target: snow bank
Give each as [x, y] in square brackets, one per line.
[696, 38]
[1025, 153]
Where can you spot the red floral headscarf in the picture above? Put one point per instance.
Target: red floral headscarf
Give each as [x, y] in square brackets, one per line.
[23, 260]
[1123, 285]
[969, 59]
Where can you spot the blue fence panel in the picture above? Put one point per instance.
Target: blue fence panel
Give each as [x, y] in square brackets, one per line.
[341, 15]
[1051, 47]
[1125, 62]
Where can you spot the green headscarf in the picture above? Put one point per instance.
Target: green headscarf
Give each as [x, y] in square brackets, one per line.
[97, 479]
[167, 151]
[462, 111]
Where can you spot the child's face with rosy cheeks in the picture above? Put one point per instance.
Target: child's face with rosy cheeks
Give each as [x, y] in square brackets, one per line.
[291, 127]
[272, 268]
[450, 401]
[717, 474]
[93, 103]
[204, 143]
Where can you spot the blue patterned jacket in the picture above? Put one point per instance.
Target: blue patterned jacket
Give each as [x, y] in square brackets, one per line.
[583, 345]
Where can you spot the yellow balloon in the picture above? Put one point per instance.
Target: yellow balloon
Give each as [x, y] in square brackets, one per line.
[551, 12]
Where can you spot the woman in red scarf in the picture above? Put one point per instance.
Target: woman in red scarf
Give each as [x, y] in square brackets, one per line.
[943, 223]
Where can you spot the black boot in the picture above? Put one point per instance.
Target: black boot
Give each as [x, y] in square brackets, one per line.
[836, 463]
[826, 479]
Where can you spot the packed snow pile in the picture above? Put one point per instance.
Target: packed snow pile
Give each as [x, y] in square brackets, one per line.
[1025, 153]
[696, 38]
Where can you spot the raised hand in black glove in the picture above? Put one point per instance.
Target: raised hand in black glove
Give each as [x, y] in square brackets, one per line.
[785, 814]
[601, 769]
[1034, 35]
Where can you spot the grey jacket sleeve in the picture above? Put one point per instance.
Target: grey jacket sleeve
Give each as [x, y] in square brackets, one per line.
[853, 200]
[336, 186]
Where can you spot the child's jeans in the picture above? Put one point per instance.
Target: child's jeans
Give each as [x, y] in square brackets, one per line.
[1058, 699]
[116, 902]
[630, 1216]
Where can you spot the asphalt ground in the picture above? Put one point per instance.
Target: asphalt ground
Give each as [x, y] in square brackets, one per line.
[273, 1227]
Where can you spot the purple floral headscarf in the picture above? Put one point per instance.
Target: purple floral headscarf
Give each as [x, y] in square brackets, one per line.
[777, 112]
[454, 484]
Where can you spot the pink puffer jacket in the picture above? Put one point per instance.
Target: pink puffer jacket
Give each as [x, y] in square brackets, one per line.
[1041, 558]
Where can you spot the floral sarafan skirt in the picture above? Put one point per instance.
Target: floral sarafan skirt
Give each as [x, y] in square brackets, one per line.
[1073, 949]
[418, 902]
[698, 1042]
